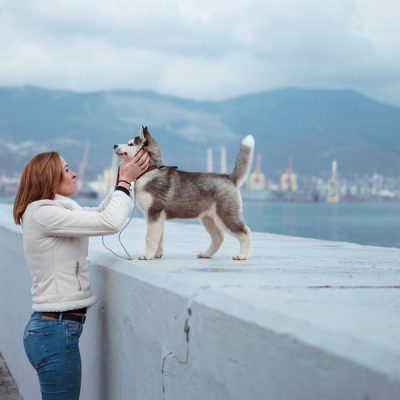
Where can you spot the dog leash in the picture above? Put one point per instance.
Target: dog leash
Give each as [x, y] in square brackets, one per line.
[128, 256]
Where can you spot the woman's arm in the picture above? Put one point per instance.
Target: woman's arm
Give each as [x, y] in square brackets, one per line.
[102, 205]
[128, 171]
[55, 220]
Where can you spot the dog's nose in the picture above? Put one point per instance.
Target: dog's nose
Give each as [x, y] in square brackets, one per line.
[115, 146]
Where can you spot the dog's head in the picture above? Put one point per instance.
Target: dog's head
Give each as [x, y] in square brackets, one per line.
[143, 141]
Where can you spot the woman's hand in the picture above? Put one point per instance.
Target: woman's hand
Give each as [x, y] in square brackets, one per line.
[129, 170]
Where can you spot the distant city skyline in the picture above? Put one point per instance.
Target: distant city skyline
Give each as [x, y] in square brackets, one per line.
[202, 50]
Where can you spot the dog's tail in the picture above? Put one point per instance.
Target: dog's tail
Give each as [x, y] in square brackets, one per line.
[243, 161]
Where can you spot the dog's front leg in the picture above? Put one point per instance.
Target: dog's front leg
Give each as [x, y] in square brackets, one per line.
[155, 226]
[159, 252]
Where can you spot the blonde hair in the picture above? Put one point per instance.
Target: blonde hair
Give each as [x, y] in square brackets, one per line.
[39, 180]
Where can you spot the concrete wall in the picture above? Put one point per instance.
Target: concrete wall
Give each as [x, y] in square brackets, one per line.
[273, 327]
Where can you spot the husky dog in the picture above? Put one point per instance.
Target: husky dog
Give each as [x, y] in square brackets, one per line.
[165, 192]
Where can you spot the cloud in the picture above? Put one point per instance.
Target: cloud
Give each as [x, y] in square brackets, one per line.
[28, 147]
[202, 49]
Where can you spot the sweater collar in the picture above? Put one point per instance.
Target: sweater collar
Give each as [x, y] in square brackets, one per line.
[67, 202]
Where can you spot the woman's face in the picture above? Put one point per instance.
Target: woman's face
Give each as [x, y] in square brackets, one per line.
[68, 184]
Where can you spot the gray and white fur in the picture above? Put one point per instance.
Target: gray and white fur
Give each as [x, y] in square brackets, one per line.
[164, 193]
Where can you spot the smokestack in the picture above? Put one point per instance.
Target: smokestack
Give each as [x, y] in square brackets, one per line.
[209, 160]
[223, 160]
[334, 170]
[258, 168]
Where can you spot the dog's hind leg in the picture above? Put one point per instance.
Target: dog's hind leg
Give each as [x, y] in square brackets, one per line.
[155, 225]
[217, 237]
[244, 240]
[233, 223]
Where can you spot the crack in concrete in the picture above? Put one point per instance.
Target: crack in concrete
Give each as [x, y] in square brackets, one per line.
[355, 287]
[186, 329]
[331, 287]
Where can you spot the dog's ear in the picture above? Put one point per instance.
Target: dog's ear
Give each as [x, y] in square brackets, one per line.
[142, 138]
[151, 146]
[146, 133]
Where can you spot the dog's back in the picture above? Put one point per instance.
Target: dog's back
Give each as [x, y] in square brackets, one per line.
[184, 194]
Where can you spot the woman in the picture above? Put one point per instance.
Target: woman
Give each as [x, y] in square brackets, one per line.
[55, 237]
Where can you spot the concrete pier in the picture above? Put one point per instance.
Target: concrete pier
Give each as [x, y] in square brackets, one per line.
[301, 319]
[8, 388]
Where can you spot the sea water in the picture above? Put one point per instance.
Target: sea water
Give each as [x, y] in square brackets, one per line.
[365, 223]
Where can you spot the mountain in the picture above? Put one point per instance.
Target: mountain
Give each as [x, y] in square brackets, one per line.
[312, 126]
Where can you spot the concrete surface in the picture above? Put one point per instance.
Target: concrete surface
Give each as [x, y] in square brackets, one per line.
[301, 319]
[8, 388]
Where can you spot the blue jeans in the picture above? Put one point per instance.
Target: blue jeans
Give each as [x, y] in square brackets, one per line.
[52, 347]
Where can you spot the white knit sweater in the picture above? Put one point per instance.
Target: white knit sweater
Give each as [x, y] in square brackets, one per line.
[55, 236]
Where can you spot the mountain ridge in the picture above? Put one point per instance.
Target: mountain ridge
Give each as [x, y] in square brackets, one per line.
[314, 126]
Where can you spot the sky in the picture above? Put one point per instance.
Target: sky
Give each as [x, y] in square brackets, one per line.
[205, 50]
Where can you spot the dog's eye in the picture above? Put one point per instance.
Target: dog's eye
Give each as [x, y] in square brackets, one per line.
[130, 144]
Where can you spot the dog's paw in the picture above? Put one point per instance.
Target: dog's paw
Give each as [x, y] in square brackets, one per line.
[158, 255]
[203, 255]
[239, 257]
[144, 257]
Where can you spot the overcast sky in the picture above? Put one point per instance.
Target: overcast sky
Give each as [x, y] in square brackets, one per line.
[206, 49]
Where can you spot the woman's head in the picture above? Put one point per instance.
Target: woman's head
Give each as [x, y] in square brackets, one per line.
[44, 176]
